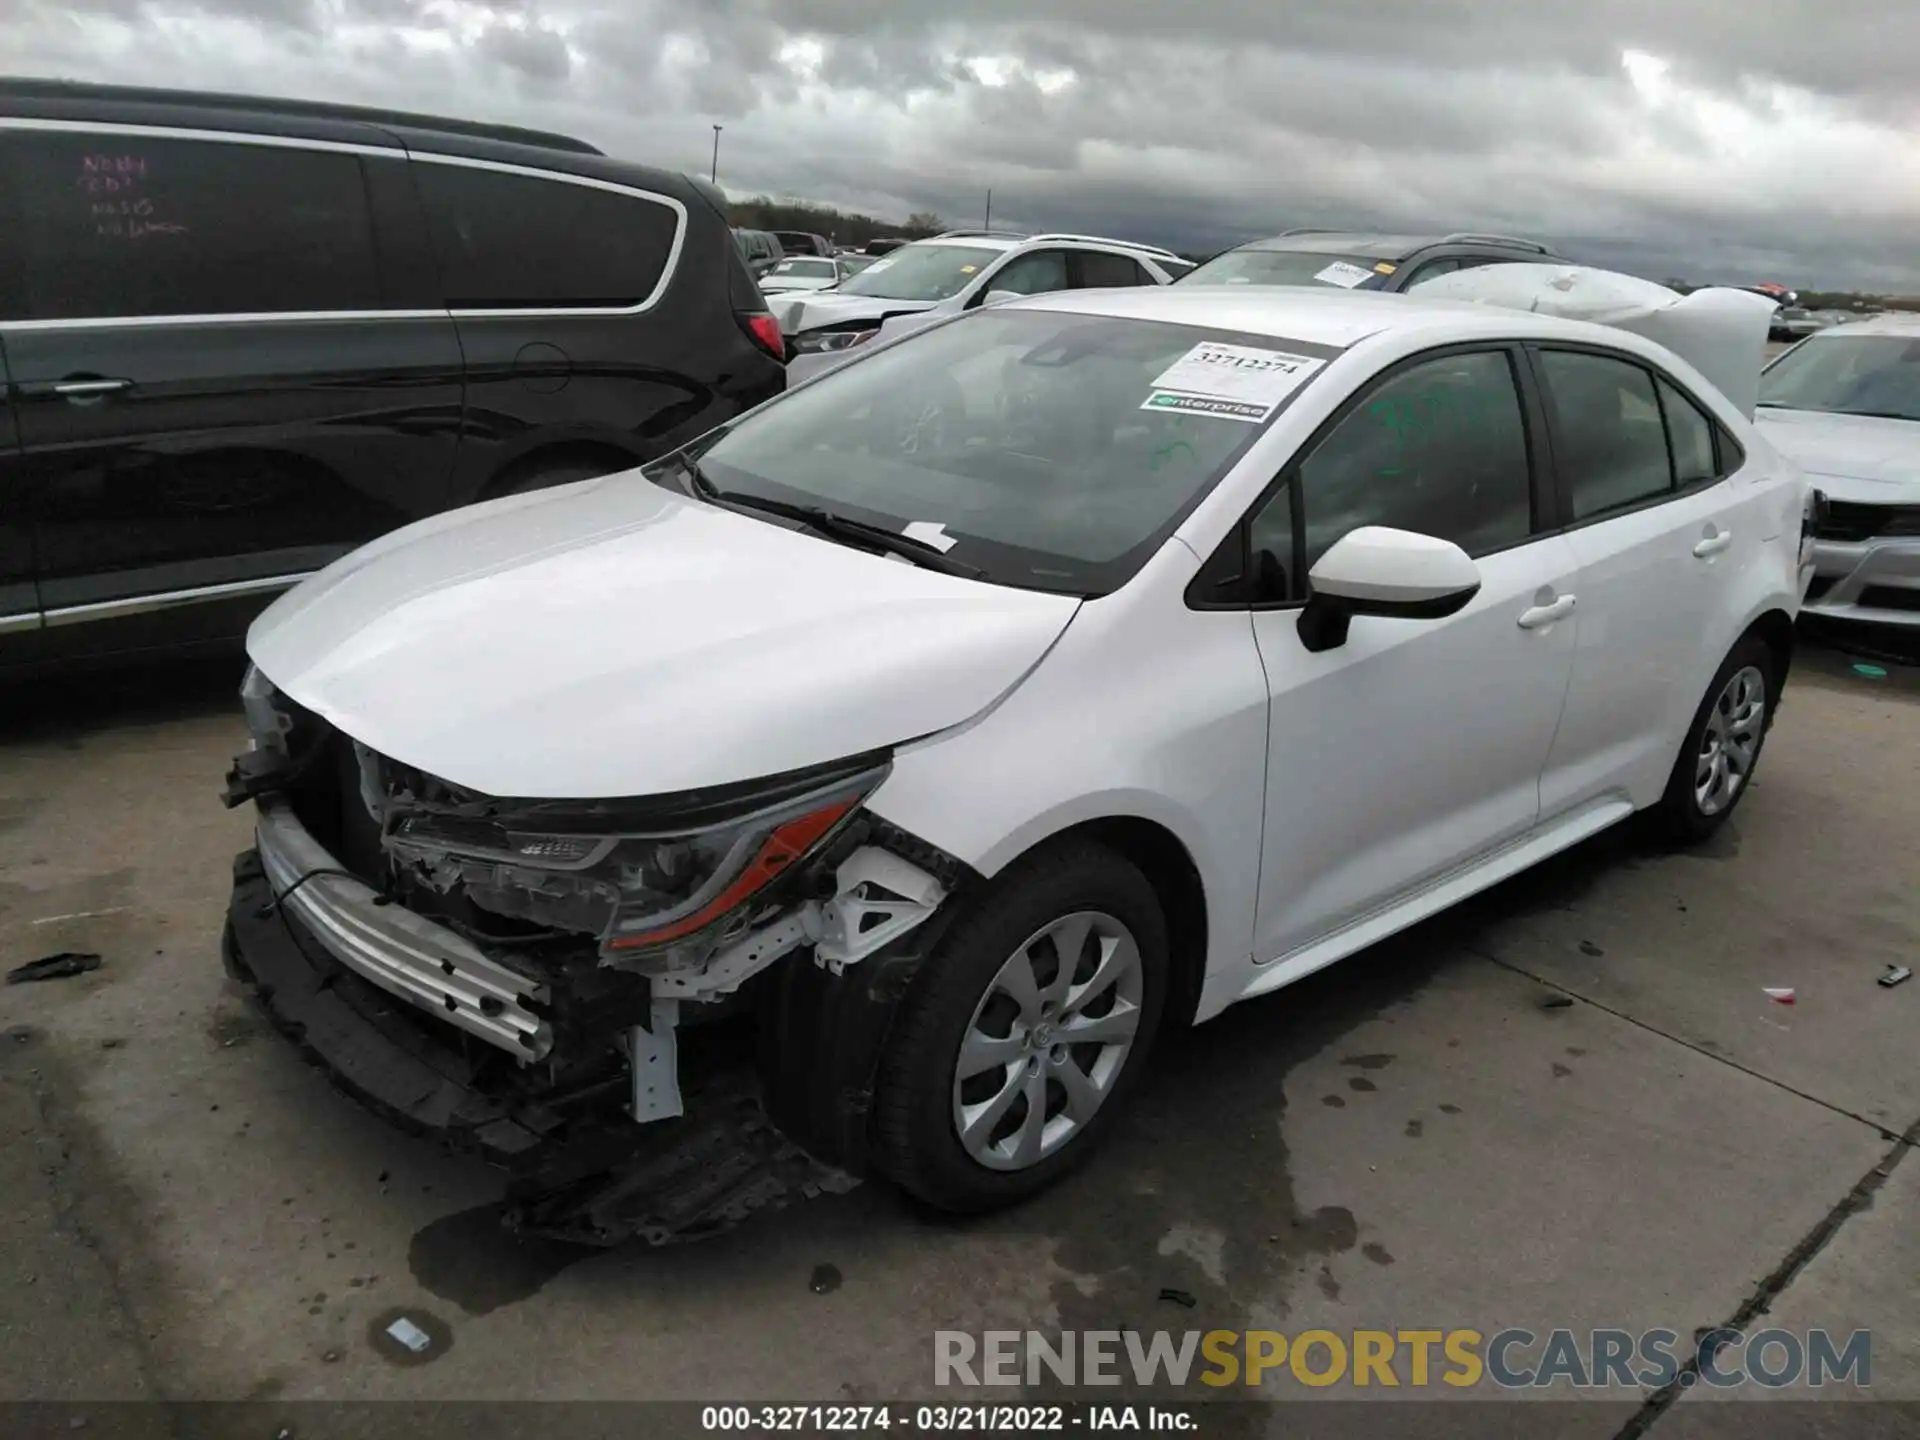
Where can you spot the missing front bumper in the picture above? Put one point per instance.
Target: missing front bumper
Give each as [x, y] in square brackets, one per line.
[582, 1170]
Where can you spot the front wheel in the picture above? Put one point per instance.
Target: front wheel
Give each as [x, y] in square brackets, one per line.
[1722, 749]
[1024, 1032]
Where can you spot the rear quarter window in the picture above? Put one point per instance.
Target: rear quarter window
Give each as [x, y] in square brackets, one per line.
[508, 241]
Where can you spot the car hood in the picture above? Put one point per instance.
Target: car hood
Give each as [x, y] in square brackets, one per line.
[1864, 458]
[611, 638]
[836, 307]
[1721, 332]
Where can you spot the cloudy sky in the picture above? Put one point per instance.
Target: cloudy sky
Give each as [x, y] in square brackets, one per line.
[1703, 138]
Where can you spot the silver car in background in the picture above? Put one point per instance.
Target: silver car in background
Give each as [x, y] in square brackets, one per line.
[1845, 403]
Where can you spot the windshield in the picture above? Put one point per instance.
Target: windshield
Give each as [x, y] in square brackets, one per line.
[1044, 448]
[920, 272]
[1288, 267]
[1850, 375]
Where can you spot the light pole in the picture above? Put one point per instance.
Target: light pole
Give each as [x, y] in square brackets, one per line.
[714, 175]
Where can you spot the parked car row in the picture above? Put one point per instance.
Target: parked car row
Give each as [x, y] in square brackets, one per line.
[763, 250]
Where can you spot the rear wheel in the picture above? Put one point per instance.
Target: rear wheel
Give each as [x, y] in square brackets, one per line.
[1722, 749]
[1024, 1032]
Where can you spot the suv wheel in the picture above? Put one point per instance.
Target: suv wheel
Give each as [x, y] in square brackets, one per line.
[1722, 749]
[1024, 1031]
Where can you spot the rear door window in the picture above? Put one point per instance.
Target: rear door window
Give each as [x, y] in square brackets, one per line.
[123, 225]
[1610, 441]
[521, 242]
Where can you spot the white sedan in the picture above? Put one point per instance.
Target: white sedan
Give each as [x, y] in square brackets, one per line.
[1845, 403]
[1069, 671]
[803, 272]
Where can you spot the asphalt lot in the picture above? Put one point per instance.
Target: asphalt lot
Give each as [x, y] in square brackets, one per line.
[1410, 1138]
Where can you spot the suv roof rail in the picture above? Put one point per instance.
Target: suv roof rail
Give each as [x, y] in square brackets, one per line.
[1109, 240]
[979, 235]
[1476, 237]
[29, 88]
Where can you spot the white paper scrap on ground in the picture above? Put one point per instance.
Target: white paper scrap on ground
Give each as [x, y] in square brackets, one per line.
[410, 1335]
[1344, 275]
[1234, 382]
[931, 532]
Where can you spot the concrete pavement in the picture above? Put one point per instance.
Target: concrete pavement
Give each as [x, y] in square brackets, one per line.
[1407, 1139]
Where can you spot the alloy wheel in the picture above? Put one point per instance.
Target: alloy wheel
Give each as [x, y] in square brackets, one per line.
[1047, 1041]
[1730, 743]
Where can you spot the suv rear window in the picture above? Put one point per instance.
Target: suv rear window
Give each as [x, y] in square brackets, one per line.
[1288, 267]
[519, 242]
[113, 226]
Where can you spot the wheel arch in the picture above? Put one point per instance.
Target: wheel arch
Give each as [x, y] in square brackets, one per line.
[1775, 627]
[557, 454]
[1163, 857]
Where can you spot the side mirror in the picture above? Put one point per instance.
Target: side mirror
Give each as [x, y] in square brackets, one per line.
[1380, 571]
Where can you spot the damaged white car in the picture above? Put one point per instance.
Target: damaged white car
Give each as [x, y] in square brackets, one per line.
[1071, 670]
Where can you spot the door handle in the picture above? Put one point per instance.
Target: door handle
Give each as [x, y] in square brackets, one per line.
[75, 389]
[88, 389]
[1535, 616]
[1713, 544]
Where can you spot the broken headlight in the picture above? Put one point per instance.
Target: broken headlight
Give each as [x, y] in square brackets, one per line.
[633, 887]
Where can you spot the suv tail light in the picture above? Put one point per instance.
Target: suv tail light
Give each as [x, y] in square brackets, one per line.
[765, 331]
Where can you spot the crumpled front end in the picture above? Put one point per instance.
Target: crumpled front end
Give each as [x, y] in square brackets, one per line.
[513, 974]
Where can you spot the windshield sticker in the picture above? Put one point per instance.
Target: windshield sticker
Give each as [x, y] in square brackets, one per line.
[1385, 267]
[1344, 275]
[931, 532]
[1229, 382]
[968, 269]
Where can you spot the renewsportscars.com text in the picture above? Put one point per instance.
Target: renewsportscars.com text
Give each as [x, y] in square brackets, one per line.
[1510, 1359]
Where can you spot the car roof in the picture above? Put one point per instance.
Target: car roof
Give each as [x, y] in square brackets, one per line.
[68, 100]
[972, 242]
[1375, 245]
[1900, 323]
[24, 88]
[1331, 317]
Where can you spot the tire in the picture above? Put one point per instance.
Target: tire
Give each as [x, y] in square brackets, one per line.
[1685, 814]
[961, 991]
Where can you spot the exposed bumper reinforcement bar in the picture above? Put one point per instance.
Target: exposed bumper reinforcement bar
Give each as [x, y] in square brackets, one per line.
[583, 1171]
[403, 953]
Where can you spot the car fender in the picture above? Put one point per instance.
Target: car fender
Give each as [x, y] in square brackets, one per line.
[1143, 709]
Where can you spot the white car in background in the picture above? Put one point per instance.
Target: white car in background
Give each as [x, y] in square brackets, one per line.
[959, 270]
[1845, 403]
[1070, 671]
[802, 272]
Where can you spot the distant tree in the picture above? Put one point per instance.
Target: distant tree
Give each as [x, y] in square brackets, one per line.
[843, 227]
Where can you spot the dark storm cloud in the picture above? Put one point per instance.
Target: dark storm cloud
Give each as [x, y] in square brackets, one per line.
[538, 54]
[1756, 144]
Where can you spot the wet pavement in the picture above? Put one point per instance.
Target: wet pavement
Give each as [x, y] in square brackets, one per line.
[1415, 1137]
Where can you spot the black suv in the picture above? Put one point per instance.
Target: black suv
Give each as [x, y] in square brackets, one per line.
[243, 336]
[1359, 260]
